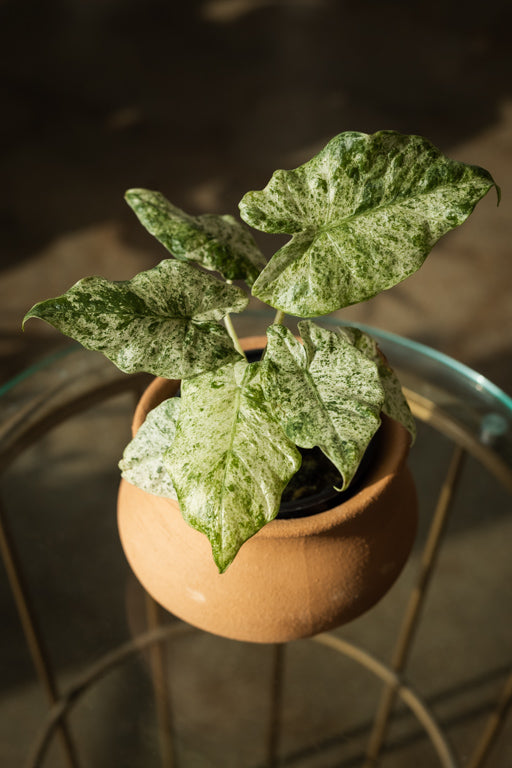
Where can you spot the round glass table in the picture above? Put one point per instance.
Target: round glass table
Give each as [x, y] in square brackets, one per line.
[95, 673]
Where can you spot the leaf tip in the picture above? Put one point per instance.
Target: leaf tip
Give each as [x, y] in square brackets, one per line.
[31, 313]
[222, 561]
[134, 195]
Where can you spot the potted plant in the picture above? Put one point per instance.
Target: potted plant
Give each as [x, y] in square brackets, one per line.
[219, 437]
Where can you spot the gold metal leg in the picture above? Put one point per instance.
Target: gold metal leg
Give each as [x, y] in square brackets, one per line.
[397, 684]
[276, 699]
[33, 635]
[158, 663]
[493, 727]
[90, 677]
[416, 601]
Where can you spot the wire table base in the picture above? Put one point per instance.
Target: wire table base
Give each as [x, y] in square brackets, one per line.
[486, 437]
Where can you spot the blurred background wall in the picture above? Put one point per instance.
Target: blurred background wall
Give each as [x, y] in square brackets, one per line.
[203, 99]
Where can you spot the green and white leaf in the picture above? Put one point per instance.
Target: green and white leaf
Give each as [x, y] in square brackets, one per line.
[230, 460]
[220, 243]
[395, 405]
[363, 214]
[162, 321]
[143, 458]
[325, 392]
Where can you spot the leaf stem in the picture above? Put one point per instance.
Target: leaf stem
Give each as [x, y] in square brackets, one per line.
[278, 319]
[233, 334]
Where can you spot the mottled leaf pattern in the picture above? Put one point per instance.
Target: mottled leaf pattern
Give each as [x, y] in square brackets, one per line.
[395, 405]
[163, 321]
[325, 392]
[216, 242]
[364, 214]
[230, 459]
[143, 459]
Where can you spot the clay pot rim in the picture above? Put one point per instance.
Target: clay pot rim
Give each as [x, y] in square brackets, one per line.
[393, 444]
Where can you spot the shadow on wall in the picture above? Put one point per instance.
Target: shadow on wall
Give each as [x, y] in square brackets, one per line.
[101, 95]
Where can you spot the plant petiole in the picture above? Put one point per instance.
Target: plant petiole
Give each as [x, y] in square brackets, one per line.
[233, 334]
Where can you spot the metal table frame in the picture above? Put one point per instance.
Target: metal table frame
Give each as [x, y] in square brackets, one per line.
[83, 385]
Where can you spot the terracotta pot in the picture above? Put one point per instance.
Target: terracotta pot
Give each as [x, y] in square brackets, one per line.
[294, 578]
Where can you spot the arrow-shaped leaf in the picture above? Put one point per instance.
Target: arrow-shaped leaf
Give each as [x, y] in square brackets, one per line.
[163, 321]
[143, 458]
[395, 405]
[230, 460]
[216, 242]
[325, 392]
[364, 214]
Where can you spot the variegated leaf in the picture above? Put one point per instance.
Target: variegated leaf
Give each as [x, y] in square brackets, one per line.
[230, 460]
[163, 321]
[395, 405]
[364, 213]
[143, 458]
[325, 392]
[216, 242]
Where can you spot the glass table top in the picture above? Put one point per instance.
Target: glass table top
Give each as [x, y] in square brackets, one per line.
[63, 424]
[469, 407]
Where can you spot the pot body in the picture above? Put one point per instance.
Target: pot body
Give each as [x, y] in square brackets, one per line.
[294, 578]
